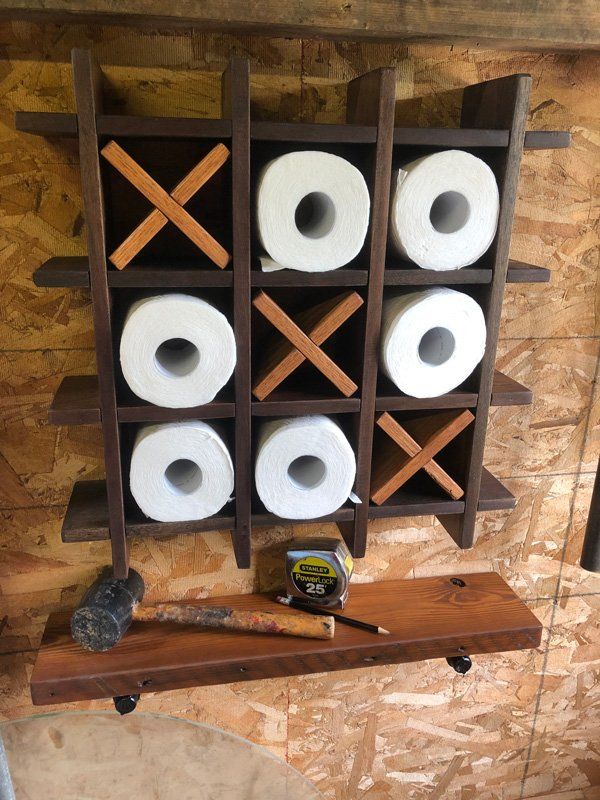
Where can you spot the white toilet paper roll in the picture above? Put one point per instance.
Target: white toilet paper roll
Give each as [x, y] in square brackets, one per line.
[444, 210]
[305, 467]
[431, 340]
[176, 350]
[312, 211]
[180, 471]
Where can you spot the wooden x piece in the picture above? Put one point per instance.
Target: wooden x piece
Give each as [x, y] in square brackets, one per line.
[167, 206]
[320, 322]
[394, 467]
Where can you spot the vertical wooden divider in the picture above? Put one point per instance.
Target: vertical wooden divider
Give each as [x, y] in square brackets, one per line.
[88, 97]
[371, 101]
[498, 104]
[235, 100]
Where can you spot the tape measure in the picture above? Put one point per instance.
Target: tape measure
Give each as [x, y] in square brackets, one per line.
[318, 570]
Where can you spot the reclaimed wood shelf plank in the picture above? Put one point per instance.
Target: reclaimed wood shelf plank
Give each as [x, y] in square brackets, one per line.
[427, 618]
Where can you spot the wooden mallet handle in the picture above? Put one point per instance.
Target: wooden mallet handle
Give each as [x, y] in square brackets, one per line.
[238, 619]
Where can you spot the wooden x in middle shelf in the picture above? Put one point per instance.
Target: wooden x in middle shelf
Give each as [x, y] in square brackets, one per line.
[302, 340]
[412, 447]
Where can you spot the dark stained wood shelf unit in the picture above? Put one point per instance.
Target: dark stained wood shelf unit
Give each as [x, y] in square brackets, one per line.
[492, 122]
[421, 497]
[427, 618]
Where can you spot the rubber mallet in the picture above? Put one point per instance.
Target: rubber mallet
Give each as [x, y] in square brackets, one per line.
[110, 606]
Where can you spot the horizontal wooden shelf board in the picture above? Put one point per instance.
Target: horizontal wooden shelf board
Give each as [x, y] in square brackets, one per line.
[493, 495]
[123, 125]
[281, 403]
[74, 271]
[321, 132]
[264, 518]
[508, 392]
[291, 277]
[479, 137]
[415, 276]
[168, 127]
[76, 403]
[518, 272]
[427, 618]
[56, 124]
[389, 398]
[86, 519]
[420, 498]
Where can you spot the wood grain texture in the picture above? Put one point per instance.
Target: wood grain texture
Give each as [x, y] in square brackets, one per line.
[156, 220]
[306, 346]
[318, 323]
[530, 26]
[237, 619]
[425, 618]
[412, 448]
[169, 207]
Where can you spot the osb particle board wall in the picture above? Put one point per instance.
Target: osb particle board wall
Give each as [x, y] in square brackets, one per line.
[520, 724]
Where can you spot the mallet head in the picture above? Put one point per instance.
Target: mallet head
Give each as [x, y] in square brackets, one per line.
[105, 612]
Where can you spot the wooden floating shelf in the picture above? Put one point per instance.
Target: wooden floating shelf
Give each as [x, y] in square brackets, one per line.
[76, 403]
[427, 618]
[73, 271]
[44, 123]
[86, 519]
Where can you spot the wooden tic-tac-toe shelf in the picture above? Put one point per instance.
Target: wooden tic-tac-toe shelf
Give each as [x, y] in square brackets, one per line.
[306, 343]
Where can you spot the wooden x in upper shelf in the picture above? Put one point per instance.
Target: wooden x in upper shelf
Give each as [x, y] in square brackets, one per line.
[168, 206]
[319, 322]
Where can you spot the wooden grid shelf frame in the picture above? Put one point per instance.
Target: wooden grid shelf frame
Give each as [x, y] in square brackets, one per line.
[492, 122]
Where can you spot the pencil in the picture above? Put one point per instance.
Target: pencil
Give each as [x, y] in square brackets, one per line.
[322, 612]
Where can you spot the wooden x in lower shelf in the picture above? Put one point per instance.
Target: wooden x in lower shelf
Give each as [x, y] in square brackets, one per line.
[413, 447]
[303, 337]
[167, 206]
